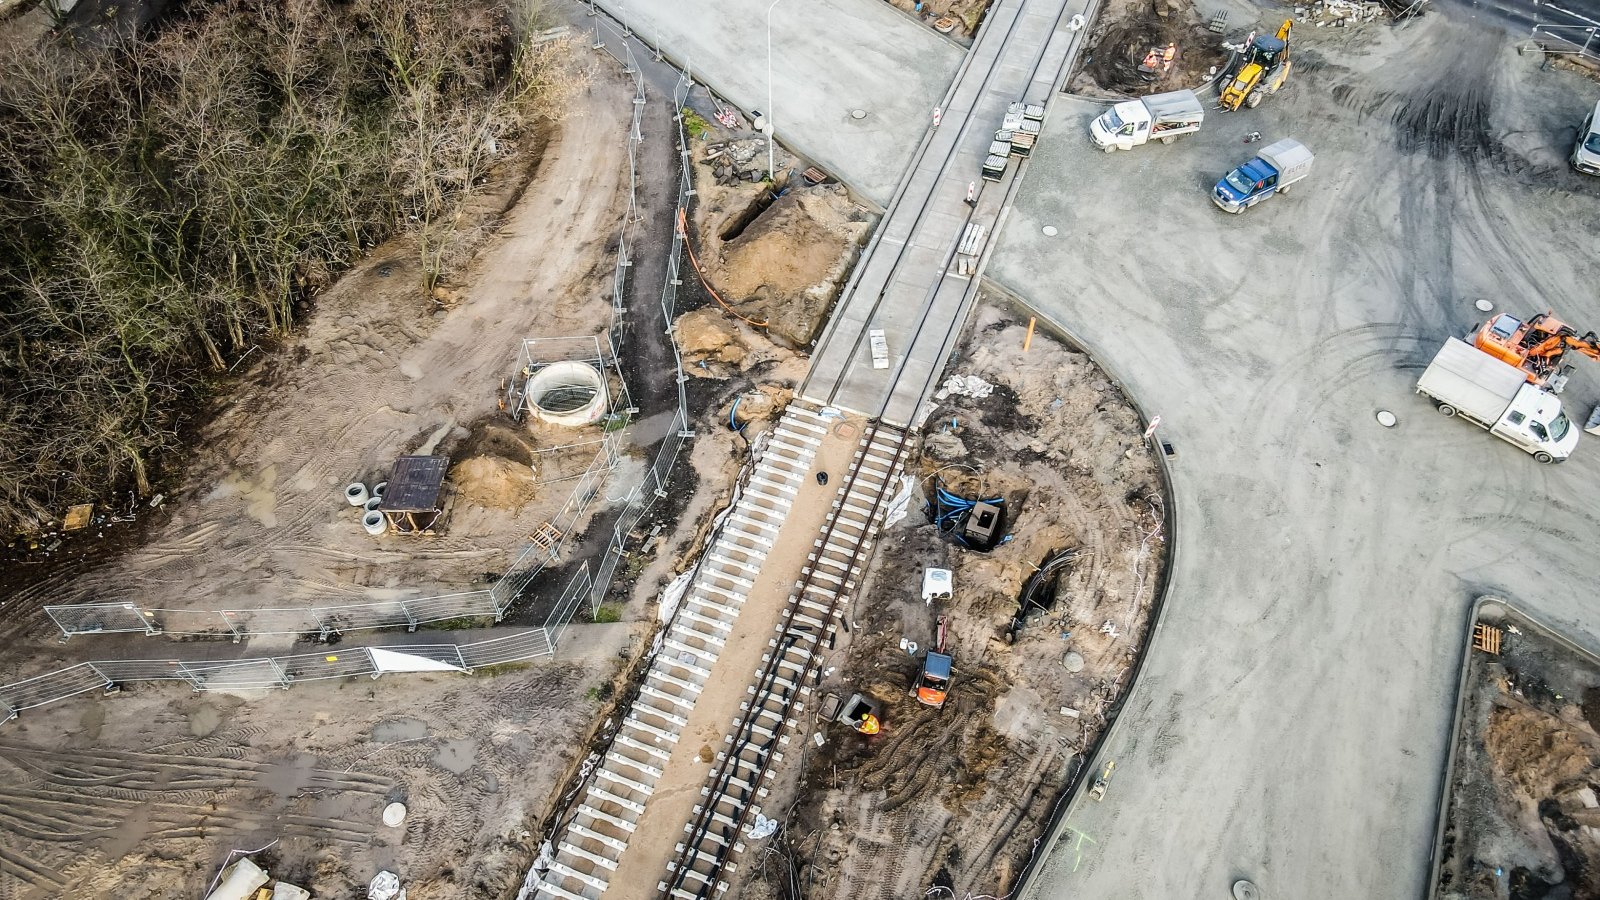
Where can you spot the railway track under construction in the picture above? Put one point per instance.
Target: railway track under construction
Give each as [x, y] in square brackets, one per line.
[905, 275]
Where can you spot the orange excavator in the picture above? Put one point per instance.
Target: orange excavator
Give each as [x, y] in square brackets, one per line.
[1536, 346]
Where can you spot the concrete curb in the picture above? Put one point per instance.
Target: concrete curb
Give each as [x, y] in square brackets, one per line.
[1073, 792]
[1494, 610]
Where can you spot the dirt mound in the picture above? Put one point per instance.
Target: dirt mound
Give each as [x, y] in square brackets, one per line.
[1535, 751]
[716, 345]
[493, 481]
[777, 259]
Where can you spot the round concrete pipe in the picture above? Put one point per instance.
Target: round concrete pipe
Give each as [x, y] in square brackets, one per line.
[568, 393]
[379, 488]
[372, 503]
[374, 523]
[355, 493]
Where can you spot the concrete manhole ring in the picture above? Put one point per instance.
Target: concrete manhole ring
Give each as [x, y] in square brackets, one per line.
[1484, 304]
[845, 429]
[1245, 890]
[858, 114]
[1387, 418]
[1073, 661]
[1050, 231]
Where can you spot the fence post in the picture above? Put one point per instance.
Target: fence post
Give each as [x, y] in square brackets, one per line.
[197, 683]
[227, 619]
[411, 619]
[110, 682]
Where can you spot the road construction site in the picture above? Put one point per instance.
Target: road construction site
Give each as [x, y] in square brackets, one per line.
[1142, 376]
[1322, 562]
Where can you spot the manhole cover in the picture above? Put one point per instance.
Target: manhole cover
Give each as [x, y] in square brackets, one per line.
[845, 430]
[1386, 418]
[1245, 890]
[1050, 231]
[858, 114]
[1073, 661]
[1484, 305]
[394, 814]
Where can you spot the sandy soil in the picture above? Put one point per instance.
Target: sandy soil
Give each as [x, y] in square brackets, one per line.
[958, 18]
[376, 372]
[142, 795]
[1524, 820]
[779, 261]
[953, 797]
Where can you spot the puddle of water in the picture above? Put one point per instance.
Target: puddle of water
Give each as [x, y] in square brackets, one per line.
[203, 720]
[456, 756]
[491, 783]
[393, 730]
[288, 776]
[259, 494]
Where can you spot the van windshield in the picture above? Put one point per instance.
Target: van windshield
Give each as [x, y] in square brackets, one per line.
[1113, 121]
[1559, 426]
[1592, 142]
[1237, 179]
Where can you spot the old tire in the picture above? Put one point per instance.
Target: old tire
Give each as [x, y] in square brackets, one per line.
[1446, 410]
[1254, 100]
[1543, 457]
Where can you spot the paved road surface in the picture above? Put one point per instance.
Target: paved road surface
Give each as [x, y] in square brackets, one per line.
[829, 57]
[1571, 18]
[1291, 722]
[907, 283]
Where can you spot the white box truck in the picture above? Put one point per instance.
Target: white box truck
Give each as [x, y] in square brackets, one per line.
[1470, 384]
[1134, 122]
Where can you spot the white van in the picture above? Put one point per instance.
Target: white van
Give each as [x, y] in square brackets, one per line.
[1586, 155]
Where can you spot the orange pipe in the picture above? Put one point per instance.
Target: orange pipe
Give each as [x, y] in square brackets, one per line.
[683, 229]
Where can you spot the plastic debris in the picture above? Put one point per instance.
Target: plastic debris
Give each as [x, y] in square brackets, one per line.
[964, 386]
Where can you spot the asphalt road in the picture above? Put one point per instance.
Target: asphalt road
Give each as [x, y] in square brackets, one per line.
[1569, 19]
[1291, 723]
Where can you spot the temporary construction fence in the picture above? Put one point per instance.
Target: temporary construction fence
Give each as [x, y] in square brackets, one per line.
[283, 671]
[1582, 41]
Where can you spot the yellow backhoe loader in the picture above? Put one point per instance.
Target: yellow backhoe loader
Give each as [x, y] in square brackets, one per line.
[1265, 68]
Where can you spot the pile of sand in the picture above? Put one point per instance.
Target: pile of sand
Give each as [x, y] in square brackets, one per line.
[493, 481]
[1533, 750]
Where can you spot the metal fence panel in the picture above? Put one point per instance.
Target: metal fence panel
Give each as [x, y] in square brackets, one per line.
[52, 686]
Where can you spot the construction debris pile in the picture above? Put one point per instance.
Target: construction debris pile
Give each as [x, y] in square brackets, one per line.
[1340, 13]
[741, 160]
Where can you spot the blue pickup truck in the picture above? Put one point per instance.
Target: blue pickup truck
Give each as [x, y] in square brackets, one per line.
[1270, 172]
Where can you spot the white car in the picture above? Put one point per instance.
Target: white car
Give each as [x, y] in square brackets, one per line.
[1586, 154]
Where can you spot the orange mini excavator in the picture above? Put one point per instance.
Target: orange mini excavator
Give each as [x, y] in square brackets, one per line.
[1536, 346]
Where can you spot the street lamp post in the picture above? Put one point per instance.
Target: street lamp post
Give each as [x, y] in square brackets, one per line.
[771, 151]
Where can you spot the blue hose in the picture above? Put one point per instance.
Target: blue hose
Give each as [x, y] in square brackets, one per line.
[732, 425]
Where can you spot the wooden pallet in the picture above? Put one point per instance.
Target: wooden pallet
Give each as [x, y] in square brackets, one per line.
[546, 536]
[1487, 638]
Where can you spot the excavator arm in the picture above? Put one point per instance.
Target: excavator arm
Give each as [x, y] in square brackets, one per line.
[1536, 346]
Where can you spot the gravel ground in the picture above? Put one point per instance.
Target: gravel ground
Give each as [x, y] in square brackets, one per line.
[1291, 724]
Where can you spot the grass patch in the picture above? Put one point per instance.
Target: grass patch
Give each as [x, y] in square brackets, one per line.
[607, 614]
[694, 124]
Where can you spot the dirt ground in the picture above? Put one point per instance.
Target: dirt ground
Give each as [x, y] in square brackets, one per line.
[141, 796]
[952, 798]
[958, 18]
[376, 372]
[779, 261]
[1524, 821]
[1126, 30]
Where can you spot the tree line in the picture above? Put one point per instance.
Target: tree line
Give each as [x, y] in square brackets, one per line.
[171, 201]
